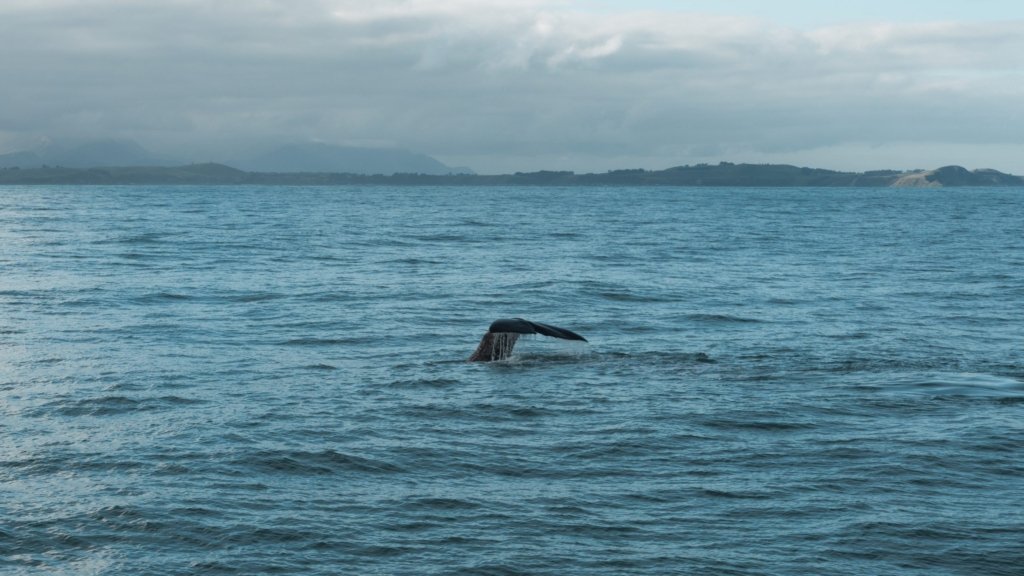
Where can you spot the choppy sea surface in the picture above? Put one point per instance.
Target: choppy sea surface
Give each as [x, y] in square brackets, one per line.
[272, 380]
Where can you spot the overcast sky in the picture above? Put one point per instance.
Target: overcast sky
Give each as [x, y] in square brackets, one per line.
[508, 85]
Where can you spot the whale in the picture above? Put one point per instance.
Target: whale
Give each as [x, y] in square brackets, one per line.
[501, 336]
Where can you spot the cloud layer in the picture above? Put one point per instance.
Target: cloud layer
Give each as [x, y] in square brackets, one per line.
[511, 85]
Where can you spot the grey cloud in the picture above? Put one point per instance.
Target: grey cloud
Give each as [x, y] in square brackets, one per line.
[498, 86]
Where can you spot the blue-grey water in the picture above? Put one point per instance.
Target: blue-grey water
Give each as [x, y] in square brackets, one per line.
[273, 381]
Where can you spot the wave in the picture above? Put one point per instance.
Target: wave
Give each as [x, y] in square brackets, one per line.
[721, 319]
[303, 462]
[325, 367]
[157, 297]
[964, 384]
[133, 239]
[440, 504]
[425, 383]
[413, 261]
[327, 341]
[761, 425]
[622, 296]
[446, 237]
[660, 357]
[112, 405]
[255, 297]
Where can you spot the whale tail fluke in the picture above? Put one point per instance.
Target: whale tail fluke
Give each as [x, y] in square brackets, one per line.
[501, 337]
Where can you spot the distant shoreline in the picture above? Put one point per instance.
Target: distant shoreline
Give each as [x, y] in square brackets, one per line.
[700, 175]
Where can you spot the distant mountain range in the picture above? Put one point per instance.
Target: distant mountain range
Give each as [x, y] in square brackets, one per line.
[317, 157]
[721, 175]
[99, 153]
[308, 157]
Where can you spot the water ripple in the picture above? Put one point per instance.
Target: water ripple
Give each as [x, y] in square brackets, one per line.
[256, 380]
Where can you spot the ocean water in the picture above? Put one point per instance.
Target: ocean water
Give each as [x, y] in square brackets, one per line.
[273, 381]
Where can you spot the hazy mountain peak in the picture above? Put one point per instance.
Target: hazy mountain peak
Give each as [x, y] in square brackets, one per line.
[87, 154]
[321, 157]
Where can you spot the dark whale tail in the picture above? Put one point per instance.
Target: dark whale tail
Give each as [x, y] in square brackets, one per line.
[501, 337]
